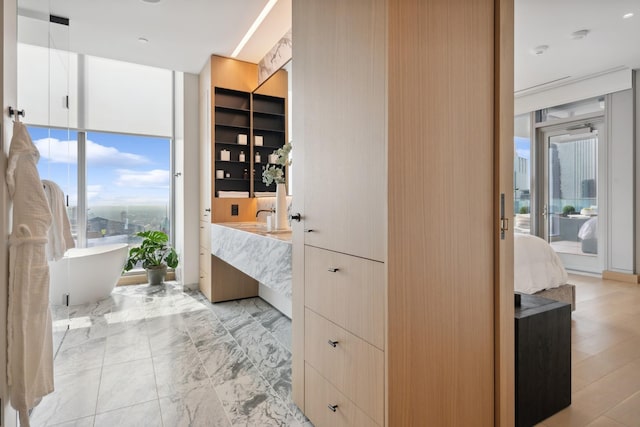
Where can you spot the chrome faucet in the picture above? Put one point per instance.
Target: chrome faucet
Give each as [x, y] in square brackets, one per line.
[272, 210]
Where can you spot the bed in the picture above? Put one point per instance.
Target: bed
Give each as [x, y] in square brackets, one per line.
[539, 271]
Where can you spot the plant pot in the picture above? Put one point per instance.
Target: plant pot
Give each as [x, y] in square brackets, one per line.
[156, 275]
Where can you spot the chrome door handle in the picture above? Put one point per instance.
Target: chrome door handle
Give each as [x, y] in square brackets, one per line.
[295, 217]
[333, 408]
[333, 270]
[332, 343]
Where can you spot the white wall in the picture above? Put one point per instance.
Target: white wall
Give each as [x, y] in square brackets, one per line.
[186, 184]
[620, 182]
[572, 90]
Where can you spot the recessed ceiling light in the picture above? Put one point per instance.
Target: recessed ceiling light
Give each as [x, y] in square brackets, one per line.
[627, 15]
[580, 34]
[539, 50]
[143, 40]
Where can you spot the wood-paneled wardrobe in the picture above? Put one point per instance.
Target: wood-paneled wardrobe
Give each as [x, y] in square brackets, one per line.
[403, 289]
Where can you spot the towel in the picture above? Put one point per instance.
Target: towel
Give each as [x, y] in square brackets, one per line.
[60, 238]
[265, 194]
[233, 194]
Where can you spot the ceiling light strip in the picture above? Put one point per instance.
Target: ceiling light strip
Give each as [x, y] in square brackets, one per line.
[254, 27]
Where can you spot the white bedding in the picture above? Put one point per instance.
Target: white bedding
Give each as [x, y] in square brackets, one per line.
[536, 265]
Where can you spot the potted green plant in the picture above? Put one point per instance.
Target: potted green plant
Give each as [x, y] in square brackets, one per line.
[155, 253]
[275, 173]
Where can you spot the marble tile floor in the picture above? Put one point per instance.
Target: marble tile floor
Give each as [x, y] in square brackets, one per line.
[157, 356]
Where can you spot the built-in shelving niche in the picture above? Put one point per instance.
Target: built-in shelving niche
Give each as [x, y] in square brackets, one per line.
[242, 113]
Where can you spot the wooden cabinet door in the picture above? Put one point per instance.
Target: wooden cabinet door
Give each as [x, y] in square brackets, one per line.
[342, 95]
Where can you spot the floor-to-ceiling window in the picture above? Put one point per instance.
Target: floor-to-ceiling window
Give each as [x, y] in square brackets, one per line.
[569, 179]
[106, 140]
[126, 185]
[522, 173]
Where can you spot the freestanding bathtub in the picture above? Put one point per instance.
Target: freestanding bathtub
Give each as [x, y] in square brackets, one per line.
[86, 274]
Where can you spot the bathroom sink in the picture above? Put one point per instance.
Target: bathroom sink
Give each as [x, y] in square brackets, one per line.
[260, 229]
[255, 227]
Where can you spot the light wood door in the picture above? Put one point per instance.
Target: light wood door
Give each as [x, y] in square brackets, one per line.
[344, 131]
[441, 213]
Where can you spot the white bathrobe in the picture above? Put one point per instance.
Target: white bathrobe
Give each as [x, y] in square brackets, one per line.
[60, 238]
[30, 348]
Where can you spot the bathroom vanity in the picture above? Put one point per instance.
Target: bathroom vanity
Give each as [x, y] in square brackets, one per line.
[249, 261]
[242, 122]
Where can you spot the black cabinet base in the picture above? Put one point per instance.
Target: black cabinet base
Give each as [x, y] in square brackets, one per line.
[543, 359]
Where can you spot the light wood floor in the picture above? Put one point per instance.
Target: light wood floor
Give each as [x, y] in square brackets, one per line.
[605, 338]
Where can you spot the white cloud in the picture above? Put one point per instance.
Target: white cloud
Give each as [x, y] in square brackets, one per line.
[93, 191]
[523, 153]
[153, 178]
[57, 151]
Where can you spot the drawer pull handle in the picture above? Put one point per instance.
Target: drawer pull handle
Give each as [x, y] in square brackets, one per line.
[333, 270]
[333, 343]
[310, 230]
[333, 408]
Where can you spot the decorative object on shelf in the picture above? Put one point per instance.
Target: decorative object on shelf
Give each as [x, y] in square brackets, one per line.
[281, 207]
[227, 175]
[155, 254]
[257, 157]
[245, 174]
[225, 155]
[219, 174]
[242, 139]
[258, 140]
[275, 173]
[241, 157]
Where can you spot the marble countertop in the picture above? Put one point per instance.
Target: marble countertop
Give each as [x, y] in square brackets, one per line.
[259, 228]
[260, 254]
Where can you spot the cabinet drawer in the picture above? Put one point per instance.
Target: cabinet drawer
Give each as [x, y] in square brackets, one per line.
[352, 365]
[320, 395]
[205, 235]
[205, 260]
[348, 290]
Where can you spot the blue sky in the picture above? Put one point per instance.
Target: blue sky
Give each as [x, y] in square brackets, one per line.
[122, 170]
[522, 146]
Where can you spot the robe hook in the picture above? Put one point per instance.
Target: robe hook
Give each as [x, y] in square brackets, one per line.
[17, 113]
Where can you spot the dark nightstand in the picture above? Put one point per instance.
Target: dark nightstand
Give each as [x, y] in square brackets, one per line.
[543, 359]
